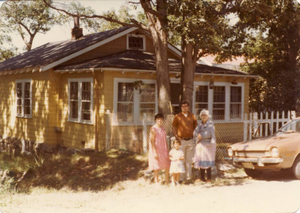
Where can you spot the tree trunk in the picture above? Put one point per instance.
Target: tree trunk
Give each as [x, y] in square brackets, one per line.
[188, 60]
[158, 29]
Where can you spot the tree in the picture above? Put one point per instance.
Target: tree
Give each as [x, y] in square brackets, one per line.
[272, 50]
[6, 49]
[27, 18]
[204, 29]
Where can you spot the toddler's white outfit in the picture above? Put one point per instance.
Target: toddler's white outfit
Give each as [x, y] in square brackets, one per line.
[177, 166]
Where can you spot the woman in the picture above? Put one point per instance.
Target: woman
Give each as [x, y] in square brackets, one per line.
[158, 149]
[205, 151]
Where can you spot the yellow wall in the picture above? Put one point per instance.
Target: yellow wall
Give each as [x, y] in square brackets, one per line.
[41, 126]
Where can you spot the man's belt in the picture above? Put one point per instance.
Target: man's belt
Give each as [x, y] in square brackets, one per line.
[186, 139]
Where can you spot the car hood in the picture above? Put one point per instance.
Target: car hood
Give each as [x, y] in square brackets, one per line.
[266, 143]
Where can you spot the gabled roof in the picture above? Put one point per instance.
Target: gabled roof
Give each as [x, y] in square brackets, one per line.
[141, 61]
[55, 51]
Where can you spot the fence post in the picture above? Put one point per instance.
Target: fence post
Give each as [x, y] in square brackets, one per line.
[245, 127]
[255, 122]
[293, 114]
[144, 133]
[272, 123]
[108, 133]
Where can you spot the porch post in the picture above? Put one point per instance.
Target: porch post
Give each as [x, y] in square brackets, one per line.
[245, 127]
[144, 134]
[108, 124]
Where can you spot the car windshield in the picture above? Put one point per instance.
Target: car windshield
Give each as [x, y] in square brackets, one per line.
[292, 126]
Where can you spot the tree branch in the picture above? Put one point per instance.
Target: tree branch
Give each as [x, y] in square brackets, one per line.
[146, 5]
[134, 24]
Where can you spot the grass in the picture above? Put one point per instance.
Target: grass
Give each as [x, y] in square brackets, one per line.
[89, 172]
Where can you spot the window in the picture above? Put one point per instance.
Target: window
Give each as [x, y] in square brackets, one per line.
[136, 42]
[219, 103]
[81, 100]
[235, 102]
[24, 98]
[224, 101]
[175, 96]
[132, 103]
[201, 99]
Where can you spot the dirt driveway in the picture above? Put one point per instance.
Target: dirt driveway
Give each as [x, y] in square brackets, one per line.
[237, 193]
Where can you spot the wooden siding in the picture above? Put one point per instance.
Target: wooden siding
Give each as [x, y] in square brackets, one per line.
[41, 126]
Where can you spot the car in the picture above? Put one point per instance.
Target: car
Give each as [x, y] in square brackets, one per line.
[280, 151]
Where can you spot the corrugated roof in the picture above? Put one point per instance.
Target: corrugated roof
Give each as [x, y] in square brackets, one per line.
[141, 60]
[54, 51]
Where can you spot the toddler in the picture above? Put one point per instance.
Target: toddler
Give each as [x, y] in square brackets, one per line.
[176, 156]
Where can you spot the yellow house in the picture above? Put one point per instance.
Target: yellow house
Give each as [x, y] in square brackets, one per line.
[64, 92]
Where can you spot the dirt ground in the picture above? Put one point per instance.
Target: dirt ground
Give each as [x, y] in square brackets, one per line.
[276, 192]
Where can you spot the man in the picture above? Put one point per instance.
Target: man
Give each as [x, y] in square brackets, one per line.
[184, 124]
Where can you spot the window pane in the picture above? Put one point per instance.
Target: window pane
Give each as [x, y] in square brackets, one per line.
[27, 90]
[74, 90]
[26, 106]
[86, 91]
[201, 94]
[19, 90]
[235, 102]
[148, 93]
[125, 92]
[219, 94]
[135, 42]
[235, 94]
[219, 103]
[235, 111]
[86, 111]
[199, 107]
[125, 112]
[149, 109]
[74, 109]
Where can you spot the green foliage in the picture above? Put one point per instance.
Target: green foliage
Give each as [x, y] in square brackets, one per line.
[205, 24]
[27, 18]
[271, 30]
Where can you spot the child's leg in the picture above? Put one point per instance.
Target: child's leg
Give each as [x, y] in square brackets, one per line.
[155, 172]
[174, 178]
[167, 176]
[177, 177]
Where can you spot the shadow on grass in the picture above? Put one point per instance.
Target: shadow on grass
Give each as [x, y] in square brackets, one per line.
[85, 172]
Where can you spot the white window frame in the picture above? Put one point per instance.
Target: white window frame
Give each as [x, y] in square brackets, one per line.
[227, 86]
[79, 119]
[136, 35]
[136, 101]
[23, 81]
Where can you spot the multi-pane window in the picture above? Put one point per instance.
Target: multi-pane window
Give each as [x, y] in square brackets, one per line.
[24, 99]
[80, 100]
[201, 98]
[147, 101]
[219, 103]
[235, 102]
[132, 103]
[125, 102]
[136, 42]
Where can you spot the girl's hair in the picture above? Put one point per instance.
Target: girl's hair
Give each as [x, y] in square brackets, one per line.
[158, 115]
[176, 141]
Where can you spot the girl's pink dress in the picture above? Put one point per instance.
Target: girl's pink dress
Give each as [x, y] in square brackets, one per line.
[160, 143]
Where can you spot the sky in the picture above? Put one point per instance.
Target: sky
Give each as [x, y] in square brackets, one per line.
[60, 33]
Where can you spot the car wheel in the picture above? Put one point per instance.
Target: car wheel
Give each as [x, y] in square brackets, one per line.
[252, 173]
[296, 168]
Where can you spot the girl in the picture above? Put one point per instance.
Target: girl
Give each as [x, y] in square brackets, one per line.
[176, 157]
[158, 149]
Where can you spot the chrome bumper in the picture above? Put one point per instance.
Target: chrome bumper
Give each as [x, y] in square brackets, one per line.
[259, 161]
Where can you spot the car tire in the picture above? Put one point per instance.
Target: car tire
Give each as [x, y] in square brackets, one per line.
[253, 173]
[296, 168]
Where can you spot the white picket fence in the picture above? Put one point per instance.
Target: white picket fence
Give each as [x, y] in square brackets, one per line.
[265, 124]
